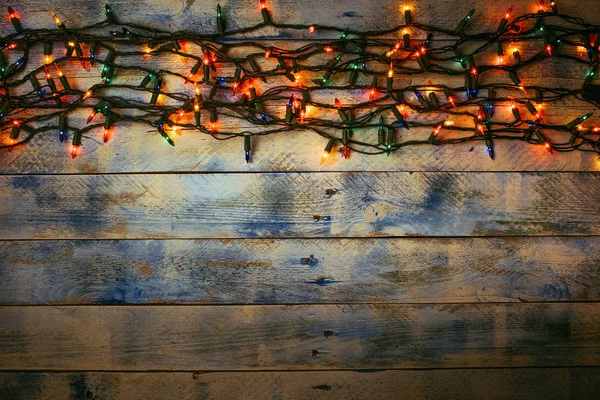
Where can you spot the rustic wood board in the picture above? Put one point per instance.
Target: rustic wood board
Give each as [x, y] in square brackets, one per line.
[285, 205]
[489, 384]
[299, 337]
[267, 271]
[351, 14]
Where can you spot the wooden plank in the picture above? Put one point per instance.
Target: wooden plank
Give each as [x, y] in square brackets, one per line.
[299, 337]
[266, 271]
[140, 150]
[352, 14]
[298, 205]
[464, 384]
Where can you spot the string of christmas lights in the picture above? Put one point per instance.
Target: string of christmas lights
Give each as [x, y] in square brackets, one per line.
[29, 105]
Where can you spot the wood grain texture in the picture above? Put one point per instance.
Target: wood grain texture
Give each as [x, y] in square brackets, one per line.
[266, 271]
[301, 337]
[298, 205]
[351, 14]
[463, 384]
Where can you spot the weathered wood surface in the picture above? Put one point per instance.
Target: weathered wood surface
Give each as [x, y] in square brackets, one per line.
[351, 14]
[299, 337]
[297, 151]
[476, 384]
[298, 205]
[266, 271]
[510, 276]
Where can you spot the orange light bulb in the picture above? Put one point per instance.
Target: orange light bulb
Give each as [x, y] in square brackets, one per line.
[56, 19]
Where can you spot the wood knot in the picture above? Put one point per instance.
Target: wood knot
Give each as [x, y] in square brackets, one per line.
[331, 192]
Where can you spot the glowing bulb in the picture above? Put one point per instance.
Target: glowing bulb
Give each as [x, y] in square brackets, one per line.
[402, 110]
[500, 60]
[328, 49]
[71, 44]
[56, 19]
[390, 71]
[58, 70]
[267, 53]
[47, 59]
[262, 4]
[87, 94]
[311, 29]
[74, 151]
[449, 123]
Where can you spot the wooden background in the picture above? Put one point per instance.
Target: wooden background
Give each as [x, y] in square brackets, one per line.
[142, 271]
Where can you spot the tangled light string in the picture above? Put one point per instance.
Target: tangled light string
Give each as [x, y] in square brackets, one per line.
[46, 108]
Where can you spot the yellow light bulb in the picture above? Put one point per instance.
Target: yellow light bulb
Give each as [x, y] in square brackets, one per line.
[56, 19]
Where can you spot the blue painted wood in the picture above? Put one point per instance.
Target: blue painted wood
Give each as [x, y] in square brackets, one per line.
[267, 271]
[298, 205]
[460, 384]
[299, 337]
